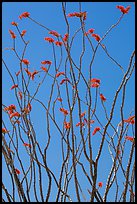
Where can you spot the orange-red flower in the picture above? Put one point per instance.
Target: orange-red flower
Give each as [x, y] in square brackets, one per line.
[46, 62]
[54, 33]
[95, 130]
[95, 85]
[14, 23]
[18, 73]
[82, 114]
[28, 72]
[66, 37]
[63, 80]
[20, 95]
[10, 108]
[100, 184]
[102, 97]
[123, 10]
[25, 61]
[23, 33]
[59, 99]
[130, 120]
[96, 36]
[4, 130]
[78, 14]
[50, 40]
[24, 15]
[29, 106]
[17, 171]
[14, 86]
[33, 74]
[44, 69]
[67, 125]
[129, 138]
[58, 43]
[27, 145]
[80, 124]
[60, 73]
[14, 114]
[12, 34]
[64, 111]
[95, 80]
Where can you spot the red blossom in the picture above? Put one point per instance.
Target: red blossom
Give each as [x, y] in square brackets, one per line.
[24, 15]
[4, 130]
[60, 73]
[96, 36]
[25, 61]
[63, 80]
[80, 124]
[17, 171]
[102, 97]
[82, 114]
[64, 111]
[33, 74]
[67, 125]
[130, 120]
[27, 145]
[50, 40]
[44, 69]
[10, 108]
[54, 33]
[91, 30]
[18, 73]
[95, 80]
[20, 95]
[96, 130]
[12, 34]
[29, 106]
[123, 10]
[100, 184]
[59, 99]
[95, 85]
[66, 37]
[14, 114]
[129, 138]
[23, 33]
[28, 72]
[46, 62]
[14, 86]
[78, 14]
[14, 23]
[58, 43]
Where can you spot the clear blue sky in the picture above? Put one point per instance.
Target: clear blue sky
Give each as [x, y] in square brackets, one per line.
[120, 43]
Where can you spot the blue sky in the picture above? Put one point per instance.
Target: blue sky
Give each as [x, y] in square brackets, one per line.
[120, 44]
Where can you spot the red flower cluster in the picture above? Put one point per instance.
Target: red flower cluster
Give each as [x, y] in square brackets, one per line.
[25, 61]
[89, 31]
[17, 171]
[44, 69]
[23, 33]
[64, 111]
[80, 124]
[24, 15]
[15, 114]
[10, 108]
[54, 33]
[63, 80]
[50, 40]
[96, 130]
[27, 145]
[14, 86]
[123, 10]
[20, 95]
[130, 120]
[59, 99]
[12, 34]
[65, 37]
[46, 62]
[102, 97]
[67, 125]
[82, 114]
[100, 184]
[33, 74]
[60, 73]
[95, 82]
[129, 138]
[4, 130]
[58, 43]
[14, 23]
[96, 36]
[78, 14]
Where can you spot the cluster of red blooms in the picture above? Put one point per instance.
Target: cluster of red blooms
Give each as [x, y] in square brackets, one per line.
[129, 138]
[96, 36]
[14, 86]
[63, 80]
[60, 73]
[100, 184]
[27, 109]
[102, 97]
[130, 120]
[23, 33]
[80, 124]
[67, 125]
[4, 130]
[78, 14]
[64, 111]
[11, 111]
[59, 99]
[95, 130]
[31, 74]
[46, 62]
[90, 31]
[54, 33]
[51, 40]
[25, 61]
[123, 10]
[27, 145]
[14, 23]
[24, 15]
[95, 82]
[12, 34]
[65, 39]
[44, 69]
[17, 171]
